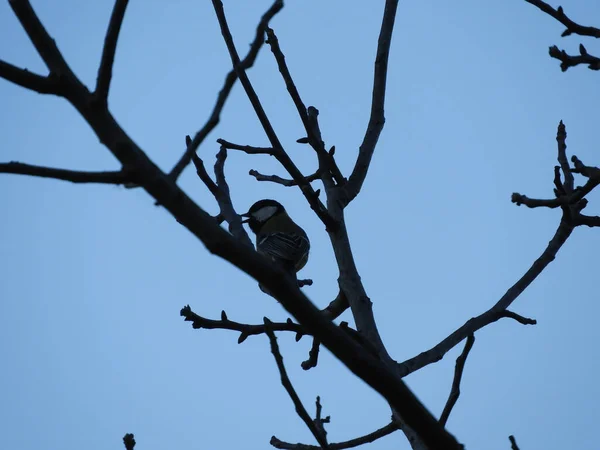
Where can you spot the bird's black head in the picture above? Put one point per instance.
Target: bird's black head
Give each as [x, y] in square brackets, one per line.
[261, 212]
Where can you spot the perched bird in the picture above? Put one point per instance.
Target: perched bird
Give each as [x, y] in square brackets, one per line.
[278, 236]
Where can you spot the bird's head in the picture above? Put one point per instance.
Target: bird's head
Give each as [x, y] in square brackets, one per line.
[261, 212]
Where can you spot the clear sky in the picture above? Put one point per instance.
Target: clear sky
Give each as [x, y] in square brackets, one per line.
[93, 277]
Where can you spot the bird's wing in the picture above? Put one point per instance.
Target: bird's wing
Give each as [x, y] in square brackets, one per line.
[290, 247]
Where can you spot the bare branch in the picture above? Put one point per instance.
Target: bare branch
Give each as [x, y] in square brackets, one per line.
[496, 312]
[230, 80]
[519, 318]
[337, 306]
[559, 14]
[249, 149]
[313, 200]
[74, 176]
[520, 199]
[245, 330]
[567, 60]
[561, 138]
[287, 384]
[371, 437]
[513, 443]
[377, 117]
[313, 356]
[589, 221]
[458, 372]
[283, 181]
[43, 43]
[327, 163]
[129, 441]
[108, 52]
[29, 80]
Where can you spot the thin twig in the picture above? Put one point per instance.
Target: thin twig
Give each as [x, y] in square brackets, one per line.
[519, 318]
[108, 52]
[313, 133]
[282, 181]
[513, 443]
[74, 176]
[377, 117]
[287, 384]
[366, 439]
[230, 80]
[29, 80]
[497, 311]
[458, 372]
[129, 441]
[559, 14]
[561, 138]
[313, 356]
[567, 60]
[245, 330]
[249, 149]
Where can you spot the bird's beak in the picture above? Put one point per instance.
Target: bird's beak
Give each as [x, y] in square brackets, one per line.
[247, 219]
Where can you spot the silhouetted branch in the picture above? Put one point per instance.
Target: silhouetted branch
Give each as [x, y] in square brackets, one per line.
[368, 438]
[313, 355]
[519, 318]
[513, 443]
[310, 194]
[561, 139]
[458, 372]
[567, 60]
[249, 149]
[129, 441]
[559, 14]
[283, 181]
[74, 176]
[572, 28]
[497, 311]
[29, 80]
[287, 384]
[377, 117]
[326, 162]
[108, 53]
[230, 80]
[245, 330]
[589, 221]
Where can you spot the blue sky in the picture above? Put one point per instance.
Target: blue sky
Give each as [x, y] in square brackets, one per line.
[94, 276]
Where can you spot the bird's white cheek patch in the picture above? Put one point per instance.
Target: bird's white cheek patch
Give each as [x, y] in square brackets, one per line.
[264, 213]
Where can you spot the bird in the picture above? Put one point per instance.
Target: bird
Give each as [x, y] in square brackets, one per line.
[278, 236]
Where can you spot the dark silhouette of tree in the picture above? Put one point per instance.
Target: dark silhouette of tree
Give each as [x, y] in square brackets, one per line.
[362, 349]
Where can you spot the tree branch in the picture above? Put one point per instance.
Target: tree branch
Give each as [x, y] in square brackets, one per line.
[567, 60]
[129, 441]
[283, 181]
[377, 117]
[497, 311]
[74, 176]
[327, 164]
[249, 149]
[513, 443]
[108, 52]
[43, 43]
[287, 384]
[559, 14]
[29, 80]
[245, 330]
[458, 372]
[366, 439]
[313, 200]
[230, 80]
